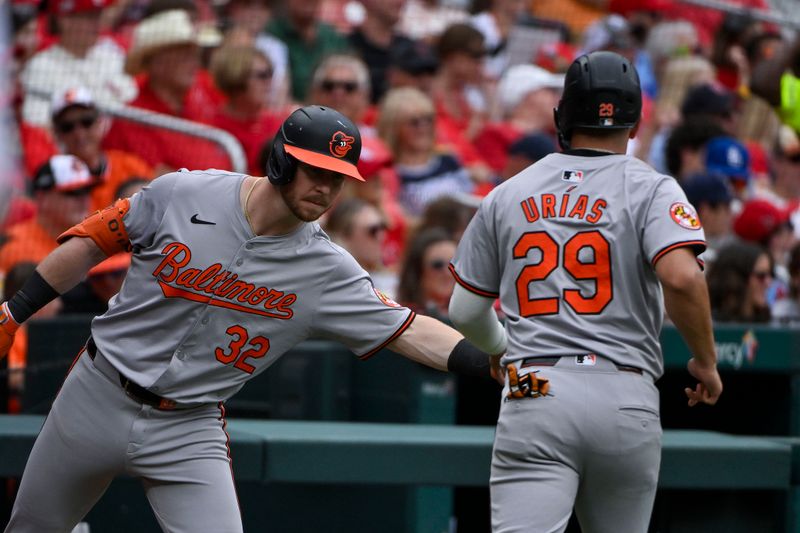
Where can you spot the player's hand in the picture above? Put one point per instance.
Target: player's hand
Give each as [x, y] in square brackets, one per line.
[710, 386]
[8, 327]
[498, 371]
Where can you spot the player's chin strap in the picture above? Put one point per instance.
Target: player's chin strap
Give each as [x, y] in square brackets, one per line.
[526, 386]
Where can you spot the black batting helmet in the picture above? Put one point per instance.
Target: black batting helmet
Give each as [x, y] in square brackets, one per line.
[319, 136]
[601, 91]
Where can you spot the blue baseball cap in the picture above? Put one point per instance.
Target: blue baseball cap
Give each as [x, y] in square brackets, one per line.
[728, 157]
[707, 188]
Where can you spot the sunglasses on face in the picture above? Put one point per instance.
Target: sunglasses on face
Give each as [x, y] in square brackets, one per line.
[762, 275]
[420, 121]
[375, 229]
[438, 264]
[262, 75]
[68, 126]
[331, 85]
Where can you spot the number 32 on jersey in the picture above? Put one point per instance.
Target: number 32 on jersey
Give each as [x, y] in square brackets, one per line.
[568, 257]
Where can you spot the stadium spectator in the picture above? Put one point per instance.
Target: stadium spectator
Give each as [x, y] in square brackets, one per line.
[245, 21]
[685, 149]
[427, 19]
[343, 83]
[526, 151]
[166, 54]
[359, 228]
[243, 74]
[458, 91]
[728, 50]
[495, 23]
[381, 189]
[678, 76]
[712, 103]
[461, 95]
[763, 223]
[413, 65]
[26, 36]
[79, 128]
[711, 195]
[375, 39]
[526, 95]
[785, 186]
[18, 354]
[737, 284]
[450, 214]
[307, 39]
[79, 57]
[61, 193]
[728, 157]
[425, 280]
[407, 125]
[103, 281]
[787, 310]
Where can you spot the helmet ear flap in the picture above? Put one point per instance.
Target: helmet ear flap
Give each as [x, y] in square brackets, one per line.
[563, 138]
[281, 166]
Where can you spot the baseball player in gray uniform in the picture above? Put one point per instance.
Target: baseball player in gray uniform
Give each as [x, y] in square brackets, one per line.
[228, 273]
[580, 247]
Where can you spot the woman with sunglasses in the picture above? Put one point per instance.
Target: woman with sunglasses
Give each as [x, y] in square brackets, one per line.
[359, 228]
[737, 284]
[406, 124]
[244, 75]
[425, 281]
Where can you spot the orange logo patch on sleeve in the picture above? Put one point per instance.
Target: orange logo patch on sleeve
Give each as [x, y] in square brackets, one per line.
[685, 216]
[383, 297]
[341, 143]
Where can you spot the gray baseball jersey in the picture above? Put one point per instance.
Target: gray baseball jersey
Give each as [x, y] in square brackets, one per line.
[569, 246]
[207, 304]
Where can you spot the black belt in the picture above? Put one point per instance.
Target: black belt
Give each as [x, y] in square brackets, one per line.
[552, 360]
[137, 392]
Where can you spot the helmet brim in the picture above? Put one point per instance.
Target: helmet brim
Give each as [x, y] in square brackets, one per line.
[315, 159]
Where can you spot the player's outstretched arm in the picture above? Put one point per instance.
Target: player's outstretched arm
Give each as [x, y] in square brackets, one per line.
[439, 346]
[687, 304]
[56, 274]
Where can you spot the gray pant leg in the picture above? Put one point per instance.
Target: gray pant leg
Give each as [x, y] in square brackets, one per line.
[186, 471]
[534, 476]
[76, 455]
[620, 478]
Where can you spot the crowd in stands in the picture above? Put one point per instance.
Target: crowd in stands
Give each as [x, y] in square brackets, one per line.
[452, 98]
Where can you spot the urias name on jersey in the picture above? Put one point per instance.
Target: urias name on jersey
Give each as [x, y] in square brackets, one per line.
[563, 206]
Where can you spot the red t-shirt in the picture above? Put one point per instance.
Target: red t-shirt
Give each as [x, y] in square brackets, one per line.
[37, 147]
[252, 134]
[158, 146]
[493, 142]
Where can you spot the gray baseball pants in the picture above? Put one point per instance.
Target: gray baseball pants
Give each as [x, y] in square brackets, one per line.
[95, 432]
[594, 443]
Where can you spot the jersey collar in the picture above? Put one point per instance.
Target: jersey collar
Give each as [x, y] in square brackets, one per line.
[588, 152]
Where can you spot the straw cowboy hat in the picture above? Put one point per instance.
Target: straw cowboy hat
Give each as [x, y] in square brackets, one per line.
[162, 30]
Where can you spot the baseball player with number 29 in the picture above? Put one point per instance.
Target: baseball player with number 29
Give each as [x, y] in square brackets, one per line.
[579, 248]
[228, 273]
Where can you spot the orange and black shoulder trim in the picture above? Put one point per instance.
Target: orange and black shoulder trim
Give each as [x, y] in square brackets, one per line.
[470, 288]
[404, 326]
[699, 247]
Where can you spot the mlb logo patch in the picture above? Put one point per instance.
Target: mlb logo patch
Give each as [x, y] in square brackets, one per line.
[589, 359]
[572, 176]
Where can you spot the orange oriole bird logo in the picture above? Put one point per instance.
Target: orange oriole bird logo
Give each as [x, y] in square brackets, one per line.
[341, 143]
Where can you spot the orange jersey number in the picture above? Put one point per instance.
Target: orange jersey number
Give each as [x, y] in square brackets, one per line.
[259, 348]
[597, 269]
